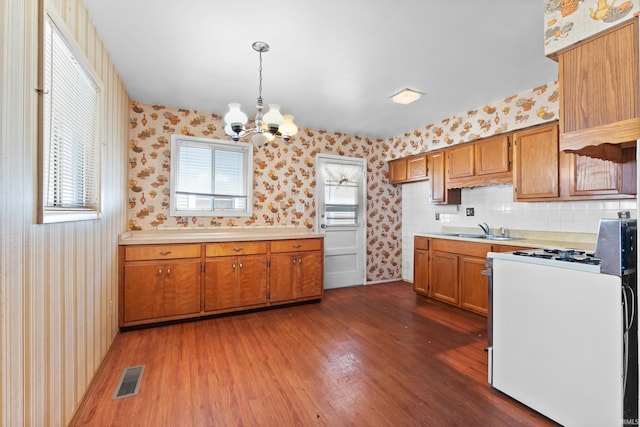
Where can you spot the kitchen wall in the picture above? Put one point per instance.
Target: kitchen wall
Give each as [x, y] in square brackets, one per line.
[570, 21]
[285, 172]
[58, 282]
[495, 206]
[284, 175]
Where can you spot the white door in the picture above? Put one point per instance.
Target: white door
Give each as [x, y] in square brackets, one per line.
[342, 216]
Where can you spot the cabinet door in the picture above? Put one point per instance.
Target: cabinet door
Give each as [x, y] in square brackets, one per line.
[417, 167]
[599, 80]
[182, 287]
[282, 277]
[252, 280]
[460, 162]
[310, 271]
[437, 178]
[492, 155]
[397, 171]
[474, 293]
[220, 283]
[143, 291]
[591, 176]
[421, 271]
[535, 169]
[443, 277]
[440, 195]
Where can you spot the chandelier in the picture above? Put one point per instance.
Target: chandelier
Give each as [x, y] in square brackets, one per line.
[267, 126]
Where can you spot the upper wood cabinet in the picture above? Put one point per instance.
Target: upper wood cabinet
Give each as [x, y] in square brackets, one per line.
[600, 93]
[480, 163]
[398, 171]
[542, 172]
[408, 169]
[493, 156]
[440, 194]
[536, 165]
[599, 80]
[460, 162]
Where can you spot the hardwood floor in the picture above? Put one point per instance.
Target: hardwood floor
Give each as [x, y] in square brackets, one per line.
[365, 356]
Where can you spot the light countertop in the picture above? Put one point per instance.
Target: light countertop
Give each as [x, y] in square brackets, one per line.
[214, 235]
[524, 238]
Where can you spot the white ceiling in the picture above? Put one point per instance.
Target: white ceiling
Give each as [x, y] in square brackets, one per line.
[333, 64]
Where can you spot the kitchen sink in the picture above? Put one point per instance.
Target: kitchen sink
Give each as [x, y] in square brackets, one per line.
[483, 236]
[499, 238]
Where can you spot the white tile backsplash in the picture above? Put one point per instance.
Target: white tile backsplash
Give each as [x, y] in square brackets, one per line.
[495, 206]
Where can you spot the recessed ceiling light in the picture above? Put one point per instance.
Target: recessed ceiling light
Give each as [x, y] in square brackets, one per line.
[406, 96]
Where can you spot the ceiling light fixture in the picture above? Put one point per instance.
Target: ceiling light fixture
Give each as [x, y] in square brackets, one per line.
[272, 124]
[406, 96]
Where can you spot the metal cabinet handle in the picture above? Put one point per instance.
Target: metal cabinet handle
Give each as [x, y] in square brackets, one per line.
[160, 272]
[168, 271]
[240, 266]
[165, 253]
[294, 261]
[234, 266]
[297, 246]
[238, 249]
[300, 261]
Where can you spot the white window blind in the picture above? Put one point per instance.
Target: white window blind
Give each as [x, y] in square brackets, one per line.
[210, 177]
[70, 120]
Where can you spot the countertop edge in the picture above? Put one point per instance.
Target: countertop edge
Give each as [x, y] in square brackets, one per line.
[187, 236]
[524, 242]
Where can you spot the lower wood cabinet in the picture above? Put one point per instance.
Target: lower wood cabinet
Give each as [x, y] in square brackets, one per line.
[296, 271]
[421, 265]
[161, 283]
[455, 271]
[232, 281]
[474, 292]
[158, 289]
[443, 276]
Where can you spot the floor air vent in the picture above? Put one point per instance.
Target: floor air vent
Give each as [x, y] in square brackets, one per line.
[129, 382]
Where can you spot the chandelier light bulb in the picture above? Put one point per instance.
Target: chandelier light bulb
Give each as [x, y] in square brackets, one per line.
[235, 115]
[273, 118]
[288, 128]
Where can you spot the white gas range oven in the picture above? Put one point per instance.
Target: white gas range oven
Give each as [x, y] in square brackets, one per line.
[562, 328]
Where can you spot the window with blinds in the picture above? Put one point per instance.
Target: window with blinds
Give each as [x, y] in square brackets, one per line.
[70, 144]
[210, 177]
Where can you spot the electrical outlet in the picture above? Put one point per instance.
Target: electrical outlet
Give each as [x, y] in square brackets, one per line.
[470, 212]
[437, 216]
[300, 207]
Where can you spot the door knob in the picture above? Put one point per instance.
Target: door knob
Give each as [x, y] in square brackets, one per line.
[323, 225]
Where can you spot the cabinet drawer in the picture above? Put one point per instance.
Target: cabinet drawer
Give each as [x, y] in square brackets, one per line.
[236, 248]
[421, 243]
[296, 245]
[461, 248]
[139, 253]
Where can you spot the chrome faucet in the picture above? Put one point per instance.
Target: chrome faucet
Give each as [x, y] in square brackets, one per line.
[485, 228]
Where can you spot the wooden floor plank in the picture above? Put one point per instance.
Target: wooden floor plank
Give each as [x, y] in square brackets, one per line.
[374, 355]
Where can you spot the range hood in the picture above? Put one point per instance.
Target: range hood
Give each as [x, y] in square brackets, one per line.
[605, 142]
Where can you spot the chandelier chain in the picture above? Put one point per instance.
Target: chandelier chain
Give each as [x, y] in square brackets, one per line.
[260, 80]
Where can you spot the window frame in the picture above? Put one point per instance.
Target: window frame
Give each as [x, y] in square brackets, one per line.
[247, 149]
[51, 214]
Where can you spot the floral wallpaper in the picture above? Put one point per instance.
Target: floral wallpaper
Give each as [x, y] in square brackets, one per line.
[569, 21]
[285, 176]
[522, 110]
